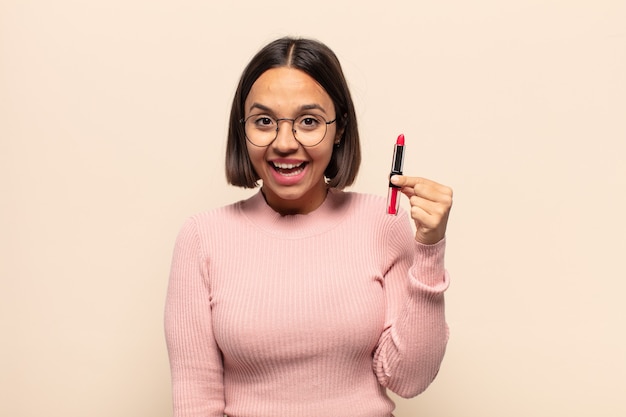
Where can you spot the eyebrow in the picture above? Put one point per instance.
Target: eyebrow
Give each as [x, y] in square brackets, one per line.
[300, 109]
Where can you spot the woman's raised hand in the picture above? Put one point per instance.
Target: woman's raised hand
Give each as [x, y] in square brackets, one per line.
[430, 206]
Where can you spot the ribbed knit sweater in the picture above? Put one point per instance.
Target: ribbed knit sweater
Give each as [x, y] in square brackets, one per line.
[310, 315]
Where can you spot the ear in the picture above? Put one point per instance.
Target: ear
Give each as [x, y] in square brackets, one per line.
[338, 138]
[340, 131]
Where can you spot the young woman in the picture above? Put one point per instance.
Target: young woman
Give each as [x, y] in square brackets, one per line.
[304, 300]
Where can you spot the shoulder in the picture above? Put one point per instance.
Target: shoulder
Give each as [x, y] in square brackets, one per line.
[370, 211]
[370, 224]
[371, 205]
[213, 220]
[365, 201]
[217, 214]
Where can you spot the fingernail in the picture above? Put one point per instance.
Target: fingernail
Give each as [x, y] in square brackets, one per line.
[395, 179]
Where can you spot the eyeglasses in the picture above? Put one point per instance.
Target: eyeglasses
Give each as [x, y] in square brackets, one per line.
[261, 130]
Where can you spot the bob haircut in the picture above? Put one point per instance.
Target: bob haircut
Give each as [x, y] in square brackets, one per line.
[320, 63]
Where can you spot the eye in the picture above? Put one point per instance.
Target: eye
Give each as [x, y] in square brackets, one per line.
[263, 122]
[310, 122]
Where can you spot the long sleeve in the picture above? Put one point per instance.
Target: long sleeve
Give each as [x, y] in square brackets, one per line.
[195, 360]
[413, 343]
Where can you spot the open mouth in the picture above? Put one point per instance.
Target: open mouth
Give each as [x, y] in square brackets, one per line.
[288, 170]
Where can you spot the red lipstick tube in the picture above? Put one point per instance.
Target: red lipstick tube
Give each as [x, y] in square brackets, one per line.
[393, 196]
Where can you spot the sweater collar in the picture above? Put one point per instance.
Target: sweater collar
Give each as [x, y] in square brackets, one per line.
[328, 215]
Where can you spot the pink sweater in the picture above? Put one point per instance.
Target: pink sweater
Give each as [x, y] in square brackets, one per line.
[303, 315]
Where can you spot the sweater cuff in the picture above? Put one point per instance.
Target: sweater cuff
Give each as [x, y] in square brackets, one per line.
[428, 268]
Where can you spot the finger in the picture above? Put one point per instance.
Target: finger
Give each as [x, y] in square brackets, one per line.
[420, 185]
[438, 195]
[406, 181]
[428, 206]
[430, 219]
[441, 195]
[423, 219]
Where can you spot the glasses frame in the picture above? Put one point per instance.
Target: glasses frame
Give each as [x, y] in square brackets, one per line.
[293, 130]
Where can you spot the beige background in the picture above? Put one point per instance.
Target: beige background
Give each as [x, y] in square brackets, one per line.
[112, 124]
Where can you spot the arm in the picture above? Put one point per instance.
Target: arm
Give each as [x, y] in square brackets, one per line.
[195, 359]
[413, 343]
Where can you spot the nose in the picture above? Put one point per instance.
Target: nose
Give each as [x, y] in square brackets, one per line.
[285, 141]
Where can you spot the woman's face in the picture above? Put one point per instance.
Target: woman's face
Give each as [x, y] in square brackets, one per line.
[293, 175]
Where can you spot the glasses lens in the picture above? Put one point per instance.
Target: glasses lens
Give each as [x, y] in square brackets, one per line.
[261, 129]
[309, 130]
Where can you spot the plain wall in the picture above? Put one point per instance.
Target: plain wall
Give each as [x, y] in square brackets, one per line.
[112, 127]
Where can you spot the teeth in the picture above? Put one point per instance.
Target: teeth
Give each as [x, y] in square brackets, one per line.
[286, 166]
[289, 170]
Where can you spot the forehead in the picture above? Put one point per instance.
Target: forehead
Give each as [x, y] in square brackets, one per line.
[286, 89]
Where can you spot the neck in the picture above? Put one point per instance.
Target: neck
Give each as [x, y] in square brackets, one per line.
[303, 205]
